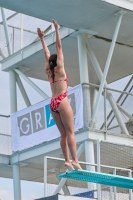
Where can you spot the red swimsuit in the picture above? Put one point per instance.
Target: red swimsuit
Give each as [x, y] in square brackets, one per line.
[55, 102]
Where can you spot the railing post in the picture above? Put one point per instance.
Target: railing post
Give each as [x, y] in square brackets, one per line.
[45, 176]
[114, 173]
[98, 169]
[130, 190]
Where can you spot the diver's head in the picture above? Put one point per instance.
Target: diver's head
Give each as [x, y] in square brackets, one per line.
[53, 61]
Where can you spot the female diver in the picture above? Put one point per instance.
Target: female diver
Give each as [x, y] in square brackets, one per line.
[60, 108]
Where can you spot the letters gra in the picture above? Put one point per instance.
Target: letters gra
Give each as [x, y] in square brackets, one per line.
[39, 119]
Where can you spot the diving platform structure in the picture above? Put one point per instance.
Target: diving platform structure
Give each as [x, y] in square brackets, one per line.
[100, 28]
[101, 178]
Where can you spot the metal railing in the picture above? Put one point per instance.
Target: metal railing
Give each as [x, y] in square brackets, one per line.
[51, 173]
[105, 118]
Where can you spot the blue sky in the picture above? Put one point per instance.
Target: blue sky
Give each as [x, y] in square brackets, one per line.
[30, 190]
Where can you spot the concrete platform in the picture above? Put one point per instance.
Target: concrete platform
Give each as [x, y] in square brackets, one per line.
[31, 160]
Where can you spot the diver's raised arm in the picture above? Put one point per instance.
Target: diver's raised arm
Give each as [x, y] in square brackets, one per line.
[58, 40]
[60, 57]
[45, 48]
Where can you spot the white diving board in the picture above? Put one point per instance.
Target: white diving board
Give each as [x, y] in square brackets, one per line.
[100, 178]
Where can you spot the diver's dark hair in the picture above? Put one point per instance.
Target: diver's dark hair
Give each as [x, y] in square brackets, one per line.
[53, 63]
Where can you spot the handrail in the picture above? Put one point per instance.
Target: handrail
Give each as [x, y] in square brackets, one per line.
[4, 116]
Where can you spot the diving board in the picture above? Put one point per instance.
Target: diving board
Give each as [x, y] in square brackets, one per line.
[100, 178]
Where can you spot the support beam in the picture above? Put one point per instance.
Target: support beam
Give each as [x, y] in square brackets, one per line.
[2, 54]
[6, 31]
[13, 108]
[89, 157]
[92, 102]
[125, 112]
[13, 39]
[106, 67]
[33, 85]
[83, 63]
[15, 27]
[98, 169]
[18, 28]
[109, 95]
[10, 17]
[117, 113]
[13, 93]
[21, 33]
[63, 181]
[23, 92]
[16, 182]
[84, 77]
[66, 190]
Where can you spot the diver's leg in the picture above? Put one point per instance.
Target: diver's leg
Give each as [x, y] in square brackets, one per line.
[67, 118]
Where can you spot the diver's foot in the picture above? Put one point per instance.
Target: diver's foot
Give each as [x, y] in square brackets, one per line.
[69, 166]
[76, 165]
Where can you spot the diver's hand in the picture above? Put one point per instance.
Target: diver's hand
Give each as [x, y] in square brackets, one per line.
[40, 33]
[55, 24]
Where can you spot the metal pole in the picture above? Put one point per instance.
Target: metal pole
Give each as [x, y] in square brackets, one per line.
[23, 92]
[105, 113]
[89, 157]
[114, 172]
[45, 96]
[98, 169]
[124, 112]
[13, 39]
[21, 26]
[92, 101]
[109, 95]
[13, 94]
[6, 31]
[13, 108]
[84, 77]
[130, 190]
[45, 176]
[106, 67]
[63, 180]
[111, 192]
[117, 114]
[2, 54]
[16, 182]
[83, 61]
